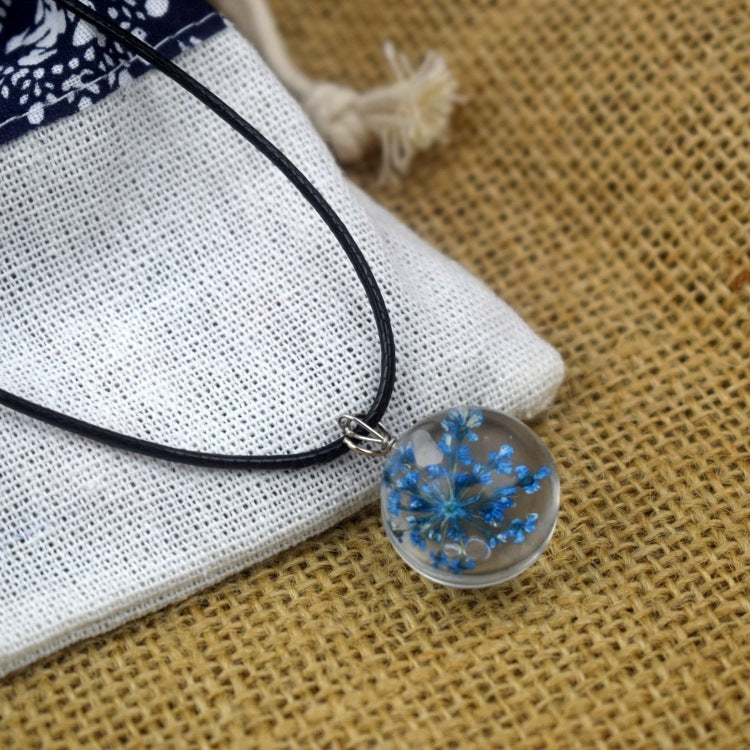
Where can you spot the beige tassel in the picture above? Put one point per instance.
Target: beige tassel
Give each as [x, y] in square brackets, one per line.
[404, 117]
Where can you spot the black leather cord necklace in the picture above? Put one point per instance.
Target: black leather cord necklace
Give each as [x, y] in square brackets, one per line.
[469, 496]
[340, 232]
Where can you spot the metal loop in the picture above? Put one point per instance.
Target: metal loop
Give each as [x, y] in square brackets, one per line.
[360, 437]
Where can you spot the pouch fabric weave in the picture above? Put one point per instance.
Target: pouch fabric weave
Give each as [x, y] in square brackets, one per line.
[160, 278]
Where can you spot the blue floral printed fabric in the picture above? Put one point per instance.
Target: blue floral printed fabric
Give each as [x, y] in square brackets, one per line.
[53, 65]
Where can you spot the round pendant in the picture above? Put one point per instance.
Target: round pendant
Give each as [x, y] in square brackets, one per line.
[470, 497]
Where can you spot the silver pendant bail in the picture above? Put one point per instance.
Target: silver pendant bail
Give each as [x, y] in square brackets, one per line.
[362, 438]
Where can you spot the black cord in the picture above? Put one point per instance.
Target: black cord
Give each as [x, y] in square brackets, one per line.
[329, 216]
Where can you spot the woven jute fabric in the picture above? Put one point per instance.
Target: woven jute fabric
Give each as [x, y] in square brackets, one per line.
[597, 178]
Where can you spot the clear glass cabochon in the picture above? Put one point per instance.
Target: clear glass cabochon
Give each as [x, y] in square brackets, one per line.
[470, 497]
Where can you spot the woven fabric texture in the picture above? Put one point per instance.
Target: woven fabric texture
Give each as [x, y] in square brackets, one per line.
[597, 178]
[163, 279]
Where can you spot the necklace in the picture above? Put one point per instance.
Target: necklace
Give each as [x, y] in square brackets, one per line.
[469, 497]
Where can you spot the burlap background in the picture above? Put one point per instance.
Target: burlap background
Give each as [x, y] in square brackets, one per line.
[598, 179]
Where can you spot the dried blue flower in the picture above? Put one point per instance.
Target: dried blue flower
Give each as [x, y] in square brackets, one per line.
[408, 482]
[478, 475]
[529, 480]
[436, 471]
[460, 424]
[496, 512]
[464, 455]
[501, 460]
[416, 538]
[455, 564]
[455, 500]
[518, 529]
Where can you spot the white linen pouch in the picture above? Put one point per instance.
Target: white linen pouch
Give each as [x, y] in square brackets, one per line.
[159, 277]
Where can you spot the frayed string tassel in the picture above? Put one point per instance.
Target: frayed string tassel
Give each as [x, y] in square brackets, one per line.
[404, 117]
